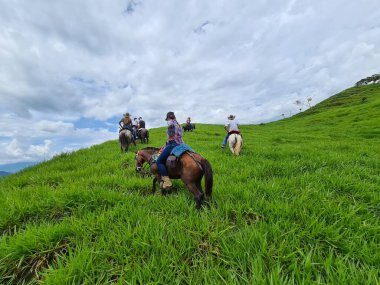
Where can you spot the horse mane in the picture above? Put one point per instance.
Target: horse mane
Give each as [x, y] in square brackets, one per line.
[151, 148]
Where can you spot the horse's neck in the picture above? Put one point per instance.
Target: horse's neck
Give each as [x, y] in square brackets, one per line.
[148, 156]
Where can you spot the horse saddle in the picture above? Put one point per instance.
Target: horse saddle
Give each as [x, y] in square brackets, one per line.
[172, 162]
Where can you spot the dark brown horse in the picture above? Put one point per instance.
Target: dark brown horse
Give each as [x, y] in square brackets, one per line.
[144, 135]
[190, 168]
[125, 139]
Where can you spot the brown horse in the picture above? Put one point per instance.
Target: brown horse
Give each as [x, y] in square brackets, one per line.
[190, 168]
[144, 135]
[125, 139]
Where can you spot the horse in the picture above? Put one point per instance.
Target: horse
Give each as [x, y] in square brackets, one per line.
[125, 139]
[188, 127]
[190, 168]
[144, 135]
[235, 143]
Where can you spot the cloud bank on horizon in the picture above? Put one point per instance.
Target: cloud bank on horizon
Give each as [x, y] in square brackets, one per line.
[70, 69]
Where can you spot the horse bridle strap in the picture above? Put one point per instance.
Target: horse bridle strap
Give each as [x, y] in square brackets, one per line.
[151, 160]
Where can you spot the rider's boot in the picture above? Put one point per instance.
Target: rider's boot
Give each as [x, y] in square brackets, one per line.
[166, 182]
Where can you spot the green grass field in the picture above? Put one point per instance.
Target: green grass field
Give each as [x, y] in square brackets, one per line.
[301, 205]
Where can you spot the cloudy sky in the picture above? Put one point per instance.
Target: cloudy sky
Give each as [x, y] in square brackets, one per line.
[70, 69]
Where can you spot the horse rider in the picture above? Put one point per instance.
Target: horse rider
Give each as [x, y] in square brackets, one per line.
[126, 123]
[232, 126]
[174, 138]
[141, 123]
[188, 123]
[134, 126]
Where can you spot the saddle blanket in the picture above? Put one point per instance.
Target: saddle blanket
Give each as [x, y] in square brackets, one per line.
[180, 149]
[176, 151]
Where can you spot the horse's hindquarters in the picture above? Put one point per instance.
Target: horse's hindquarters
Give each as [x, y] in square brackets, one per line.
[235, 143]
[125, 138]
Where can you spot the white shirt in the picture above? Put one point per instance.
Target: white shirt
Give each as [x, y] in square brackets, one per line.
[232, 125]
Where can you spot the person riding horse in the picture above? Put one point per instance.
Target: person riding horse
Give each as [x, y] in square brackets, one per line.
[140, 125]
[134, 127]
[188, 125]
[174, 138]
[231, 127]
[127, 123]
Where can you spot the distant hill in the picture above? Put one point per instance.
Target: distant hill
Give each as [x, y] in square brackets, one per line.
[4, 173]
[15, 167]
[299, 206]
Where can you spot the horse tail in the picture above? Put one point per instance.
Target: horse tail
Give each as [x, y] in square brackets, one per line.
[124, 140]
[232, 143]
[206, 166]
[238, 144]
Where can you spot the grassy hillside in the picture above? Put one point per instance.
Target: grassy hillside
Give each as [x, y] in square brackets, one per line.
[301, 205]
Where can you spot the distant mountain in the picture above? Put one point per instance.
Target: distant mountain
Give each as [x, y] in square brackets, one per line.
[4, 173]
[15, 167]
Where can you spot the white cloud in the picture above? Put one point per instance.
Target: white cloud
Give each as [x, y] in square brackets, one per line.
[66, 60]
[39, 151]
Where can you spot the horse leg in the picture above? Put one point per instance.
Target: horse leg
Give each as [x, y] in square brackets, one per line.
[232, 149]
[198, 194]
[154, 185]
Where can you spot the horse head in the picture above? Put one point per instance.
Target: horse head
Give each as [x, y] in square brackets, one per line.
[144, 156]
[139, 161]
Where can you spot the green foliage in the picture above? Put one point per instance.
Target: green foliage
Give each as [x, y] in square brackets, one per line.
[299, 206]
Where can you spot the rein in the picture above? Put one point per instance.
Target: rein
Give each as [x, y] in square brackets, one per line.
[150, 161]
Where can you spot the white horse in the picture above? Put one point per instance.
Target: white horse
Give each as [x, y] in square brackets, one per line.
[125, 138]
[235, 143]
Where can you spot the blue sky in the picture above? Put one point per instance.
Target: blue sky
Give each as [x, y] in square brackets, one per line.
[70, 69]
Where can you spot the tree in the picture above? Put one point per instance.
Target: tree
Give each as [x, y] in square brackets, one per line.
[306, 103]
[309, 99]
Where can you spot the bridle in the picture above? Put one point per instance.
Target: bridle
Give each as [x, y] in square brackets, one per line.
[150, 161]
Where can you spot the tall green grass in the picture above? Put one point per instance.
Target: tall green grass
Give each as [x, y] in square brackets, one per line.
[301, 205]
